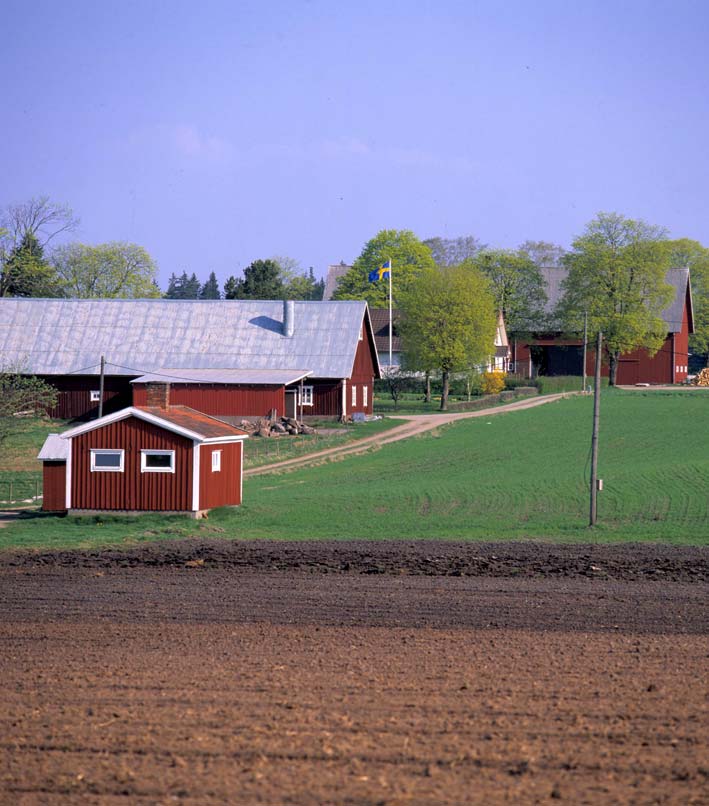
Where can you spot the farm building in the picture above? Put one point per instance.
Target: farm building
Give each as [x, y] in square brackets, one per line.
[140, 459]
[233, 358]
[551, 353]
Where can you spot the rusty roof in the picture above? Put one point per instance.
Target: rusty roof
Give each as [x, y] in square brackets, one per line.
[192, 420]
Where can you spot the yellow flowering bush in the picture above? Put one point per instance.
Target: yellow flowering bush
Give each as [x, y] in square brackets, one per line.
[493, 382]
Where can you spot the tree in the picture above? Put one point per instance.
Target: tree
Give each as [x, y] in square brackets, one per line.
[26, 273]
[210, 290]
[409, 258]
[685, 253]
[298, 284]
[452, 251]
[262, 280]
[21, 393]
[543, 253]
[115, 270]
[448, 321]
[40, 217]
[616, 272]
[183, 287]
[517, 285]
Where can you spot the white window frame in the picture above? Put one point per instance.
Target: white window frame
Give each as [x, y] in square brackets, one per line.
[145, 452]
[95, 396]
[216, 461]
[354, 395]
[306, 399]
[365, 396]
[104, 452]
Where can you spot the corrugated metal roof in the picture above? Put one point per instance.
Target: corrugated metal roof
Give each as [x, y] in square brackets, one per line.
[672, 315]
[60, 336]
[54, 449]
[261, 377]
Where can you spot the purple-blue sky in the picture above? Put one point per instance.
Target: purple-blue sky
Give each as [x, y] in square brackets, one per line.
[215, 133]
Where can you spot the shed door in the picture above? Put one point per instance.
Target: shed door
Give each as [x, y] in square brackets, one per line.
[292, 403]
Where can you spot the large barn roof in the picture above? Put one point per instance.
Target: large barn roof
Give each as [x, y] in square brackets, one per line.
[672, 315]
[62, 336]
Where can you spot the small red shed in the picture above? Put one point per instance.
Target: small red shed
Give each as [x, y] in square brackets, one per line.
[141, 459]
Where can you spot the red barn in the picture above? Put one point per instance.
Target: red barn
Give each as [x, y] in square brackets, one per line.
[552, 353]
[170, 459]
[235, 358]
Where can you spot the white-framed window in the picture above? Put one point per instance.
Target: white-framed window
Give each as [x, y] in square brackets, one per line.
[307, 397]
[354, 395]
[153, 461]
[104, 460]
[365, 391]
[95, 396]
[216, 461]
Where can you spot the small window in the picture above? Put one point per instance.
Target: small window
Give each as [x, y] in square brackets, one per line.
[157, 461]
[216, 461]
[365, 391]
[95, 396]
[354, 395]
[307, 398]
[106, 461]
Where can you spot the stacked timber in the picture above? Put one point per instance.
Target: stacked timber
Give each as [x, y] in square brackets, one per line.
[702, 378]
[268, 427]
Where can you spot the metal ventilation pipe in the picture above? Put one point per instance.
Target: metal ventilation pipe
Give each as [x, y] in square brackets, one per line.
[288, 317]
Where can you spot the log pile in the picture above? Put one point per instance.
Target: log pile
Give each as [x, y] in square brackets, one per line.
[276, 427]
[702, 378]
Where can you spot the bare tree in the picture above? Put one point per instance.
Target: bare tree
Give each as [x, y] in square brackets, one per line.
[40, 218]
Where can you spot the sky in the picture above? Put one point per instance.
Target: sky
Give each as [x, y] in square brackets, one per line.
[217, 133]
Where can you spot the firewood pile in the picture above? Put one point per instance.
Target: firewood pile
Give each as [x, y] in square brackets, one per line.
[702, 378]
[275, 427]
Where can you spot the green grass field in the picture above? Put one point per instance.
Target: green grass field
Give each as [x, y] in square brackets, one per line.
[521, 475]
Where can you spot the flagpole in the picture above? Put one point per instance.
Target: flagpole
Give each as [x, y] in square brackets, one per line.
[390, 311]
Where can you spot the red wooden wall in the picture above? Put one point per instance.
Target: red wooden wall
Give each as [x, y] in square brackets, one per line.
[74, 395]
[362, 375]
[54, 486]
[221, 399]
[222, 488]
[131, 490]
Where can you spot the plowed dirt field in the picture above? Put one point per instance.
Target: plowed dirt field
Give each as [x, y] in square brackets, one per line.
[354, 673]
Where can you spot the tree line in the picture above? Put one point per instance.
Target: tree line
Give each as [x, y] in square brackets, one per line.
[449, 290]
[32, 265]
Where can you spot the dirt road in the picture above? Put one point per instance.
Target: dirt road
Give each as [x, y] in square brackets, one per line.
[354, 673]
[413, 425]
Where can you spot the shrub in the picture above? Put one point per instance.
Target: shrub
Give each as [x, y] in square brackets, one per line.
[493, 382]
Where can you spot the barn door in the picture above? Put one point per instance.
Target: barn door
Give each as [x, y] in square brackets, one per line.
[292, 403]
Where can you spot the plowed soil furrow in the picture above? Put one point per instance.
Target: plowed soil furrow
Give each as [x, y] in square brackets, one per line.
[354, 674]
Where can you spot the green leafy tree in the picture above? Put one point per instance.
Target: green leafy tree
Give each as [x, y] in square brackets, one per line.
[210, 290]
[517, 285]
[685, 253]
[298, 284]
[20, 392]
[262, 280]
[453, 251]
[26, 273]
[616, 272]
[448, 321]
[109, 270]
[543, 253]
[409, 258]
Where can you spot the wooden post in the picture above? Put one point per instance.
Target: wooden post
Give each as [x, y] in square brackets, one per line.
[594, 437]
[100, 388]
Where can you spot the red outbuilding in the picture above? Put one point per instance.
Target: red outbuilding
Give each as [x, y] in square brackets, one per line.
[144, 459]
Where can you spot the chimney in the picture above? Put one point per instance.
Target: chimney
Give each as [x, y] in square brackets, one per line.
[288, 317]
[157, 395]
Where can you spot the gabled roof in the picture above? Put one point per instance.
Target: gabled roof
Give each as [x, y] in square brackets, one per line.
[672, 315]
[179, 419]
[61, 336]
[380, 326]
[262, 377]
[334, 272]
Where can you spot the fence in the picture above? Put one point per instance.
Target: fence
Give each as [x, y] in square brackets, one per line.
[20, 491]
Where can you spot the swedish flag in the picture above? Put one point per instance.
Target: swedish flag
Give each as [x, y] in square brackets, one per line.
[381, 273]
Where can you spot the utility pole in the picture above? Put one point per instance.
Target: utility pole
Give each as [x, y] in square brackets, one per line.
[594, 438]
[585, 341]
[100, 387]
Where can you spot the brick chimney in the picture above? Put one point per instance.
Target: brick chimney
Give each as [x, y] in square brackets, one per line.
[157, 395]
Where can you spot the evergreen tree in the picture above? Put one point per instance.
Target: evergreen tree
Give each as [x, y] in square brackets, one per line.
[262, 280]
[26, 273]
[210, 290]
[183, 287]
